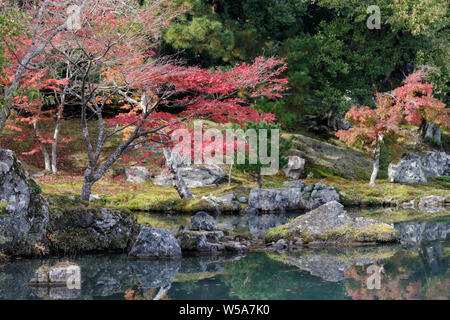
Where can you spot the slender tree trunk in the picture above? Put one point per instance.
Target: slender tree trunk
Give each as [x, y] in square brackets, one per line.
[376, 161]
[180, 185]
[229, 175]
[42, 147]
[4, 114]
[55, 137]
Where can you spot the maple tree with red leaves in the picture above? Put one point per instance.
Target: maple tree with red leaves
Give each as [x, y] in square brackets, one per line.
[411, 103]
[110, 63]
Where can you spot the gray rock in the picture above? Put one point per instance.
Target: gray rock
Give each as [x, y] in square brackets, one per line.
[331, 223]
[137, 174]
[243, 200]
[203, 221]
[294, 184]
[281, 199]
[435, 164]
[295, 167]
[432, 132]
[201, 241]
[155, 243]
[97, 229]
[320, 195]
[226, 198]
[194, 177]
[407, 170]
[25, 213]
[94, 197]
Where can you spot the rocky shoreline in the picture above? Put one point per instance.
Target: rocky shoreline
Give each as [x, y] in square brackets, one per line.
[31, 225]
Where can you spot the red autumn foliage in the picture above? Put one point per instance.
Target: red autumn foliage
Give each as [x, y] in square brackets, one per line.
[410, 103]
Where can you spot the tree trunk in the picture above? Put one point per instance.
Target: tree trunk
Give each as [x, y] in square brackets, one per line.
[55, 138]
[376, 161]
[4, 114]
[180, 185]
[86, 189]
[259, 180]
[229, 175]
[42, 147]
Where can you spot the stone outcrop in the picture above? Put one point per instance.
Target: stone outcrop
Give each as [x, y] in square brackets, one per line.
[200, 241]
[195, 176]
[413, 169]
[282, 199]
[330, 223]
[407, 170]
[24, 213]
[297, 197]
[155, 243]
[295, 167]
[80, 230]
[435, 164]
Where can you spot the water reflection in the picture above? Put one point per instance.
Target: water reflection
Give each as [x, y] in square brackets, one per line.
[416, 269]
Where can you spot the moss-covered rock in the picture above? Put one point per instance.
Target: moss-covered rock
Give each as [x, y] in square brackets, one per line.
[330, 223]
[23, 210]
[79, 230]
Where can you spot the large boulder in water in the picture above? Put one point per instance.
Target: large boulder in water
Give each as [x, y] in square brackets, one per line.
[77, 230]
[155, 243]
[330, 223]
[281, 199]
[24, 213]
[435, 164]
[408, 170]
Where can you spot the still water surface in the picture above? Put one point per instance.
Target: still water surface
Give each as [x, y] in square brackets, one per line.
[416, 269]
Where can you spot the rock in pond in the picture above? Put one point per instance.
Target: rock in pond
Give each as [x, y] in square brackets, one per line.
[297, 197]
[80, 230]
[61, 274]
[408, 170]
[200, 241]
[155, 243]
[24, 213]
[282, 199]
[330, 223]
[203, 221]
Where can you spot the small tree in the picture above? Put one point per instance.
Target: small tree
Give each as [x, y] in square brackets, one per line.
[266, 133]
[408, 104]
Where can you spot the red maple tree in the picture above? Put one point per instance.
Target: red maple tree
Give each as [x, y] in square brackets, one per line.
[408, 104]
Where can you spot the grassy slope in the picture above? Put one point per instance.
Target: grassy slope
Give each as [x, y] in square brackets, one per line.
[328, 161]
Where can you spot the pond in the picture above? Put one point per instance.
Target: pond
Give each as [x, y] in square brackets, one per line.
[418, 268]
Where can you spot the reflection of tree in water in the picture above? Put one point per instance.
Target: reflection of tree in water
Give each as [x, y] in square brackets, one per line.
[409, 274]
[257, 276]
[146, 294]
